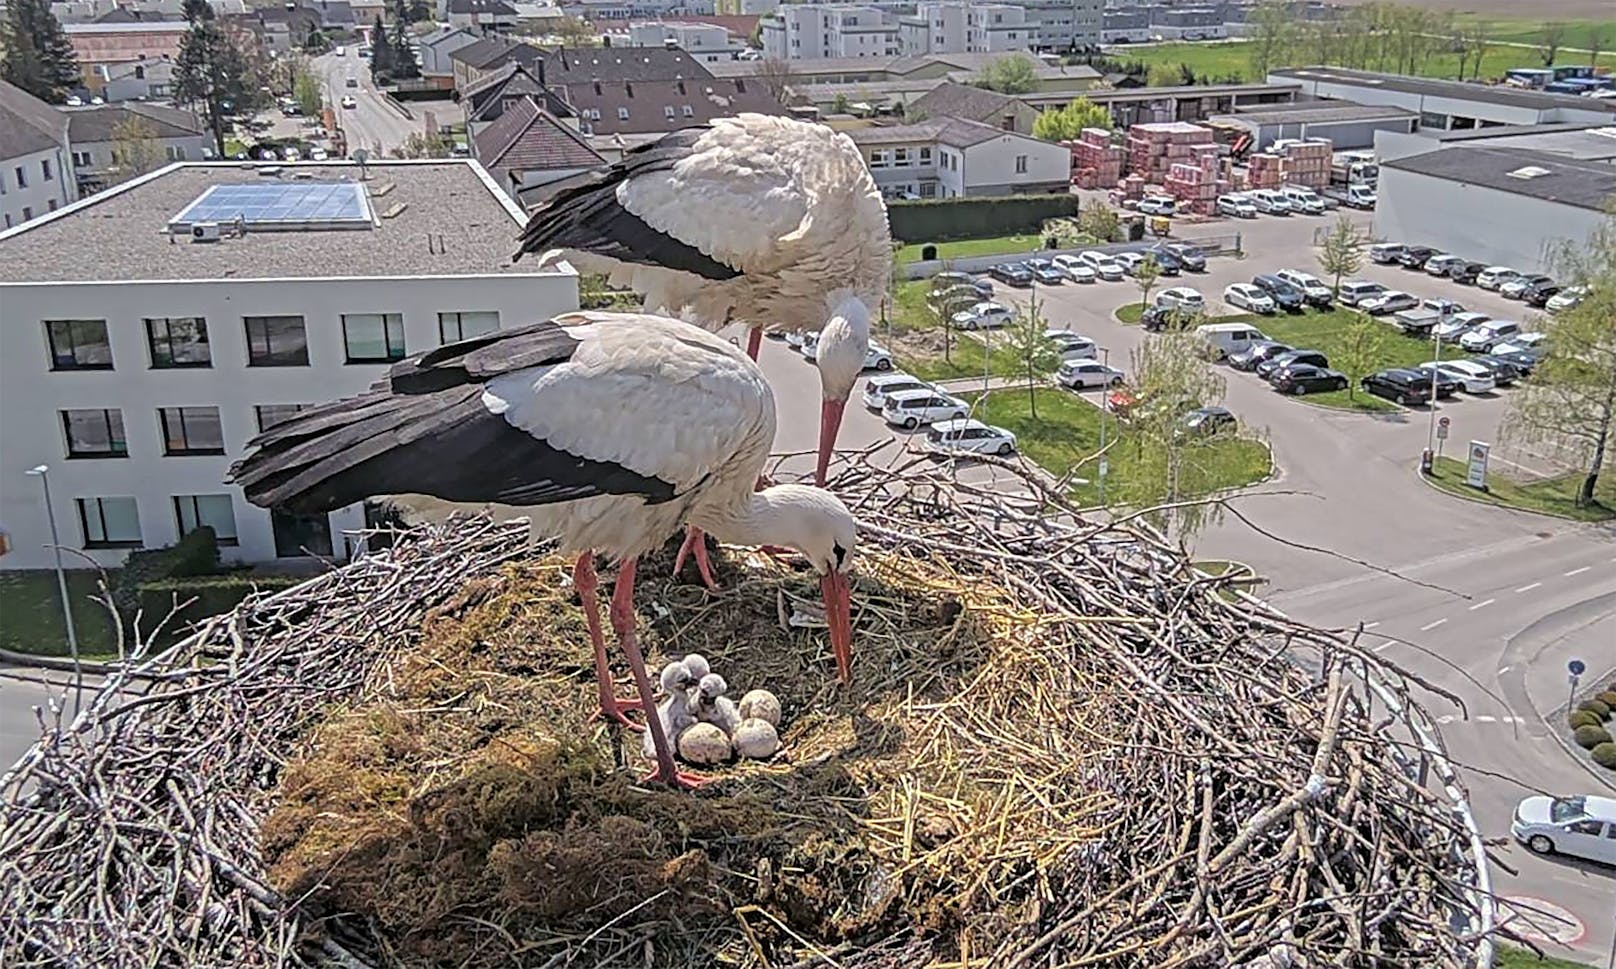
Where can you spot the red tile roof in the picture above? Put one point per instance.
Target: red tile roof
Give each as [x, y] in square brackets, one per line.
[528, 138]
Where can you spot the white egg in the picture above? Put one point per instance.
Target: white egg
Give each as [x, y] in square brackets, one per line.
[756, 738]
[761, 704]
[704, 744]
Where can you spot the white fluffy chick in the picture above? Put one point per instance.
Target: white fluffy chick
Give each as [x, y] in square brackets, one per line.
[674, 712]
[697, 665]
[713, 707]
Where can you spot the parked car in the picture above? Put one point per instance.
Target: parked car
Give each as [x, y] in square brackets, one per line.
[1249, 297]
[1538, 295]
[1012, 273]
[1045, 272]
[1524, 361]
[1490, 334]
[1568, 298]
[1399, 384]
[1313, 288]
[1532, 340]
[1466, 273]
[1440, 264]
[1208, 420]
[912, 408]
[1285, 296]
[1354, 290]
[984, 316]
[955, 298]
[1224, 339]
[1072, 346]
[1074, 268]
[1158, 318]
[1237, 206]
[877, 357]
[1386, 253]
[1361, 197]
[1181, 298]
[1190, 257]
[1389, 301]
[1078, 374]
[1517, 287]
[1269, 367]
[1444, 307]
[1305, 378]
[1413, 257]
[1583, 826]
[879, 386]
[1457, 325]
[1495, 276]
[1158, 205]
[1270, 202]
[1472, 377]
[969, 437]
[1103, 265]
[1504, 372]
[1129, 261]
[1165, 260]
[1256, 353]
[1303, 200]
[949, 279]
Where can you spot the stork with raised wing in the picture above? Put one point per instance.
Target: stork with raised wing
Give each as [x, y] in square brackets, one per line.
[607, 431]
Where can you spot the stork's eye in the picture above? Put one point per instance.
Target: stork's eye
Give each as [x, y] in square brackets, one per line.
[840, 553]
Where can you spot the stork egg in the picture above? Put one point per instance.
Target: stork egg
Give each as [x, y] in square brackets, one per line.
[761, 704]
[757, 739]
[704, 744]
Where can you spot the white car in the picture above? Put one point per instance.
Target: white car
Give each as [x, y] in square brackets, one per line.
[1312, 287]
[1584, 826]
[1489, 334]
[879, 386]
[912, 408]
[877, 357]
[1103, 265]
[348, 101]
[318, 154]
[1270, 201]
[1129, 261]
[1181, 298]
[1442, 263]
[1495, 276]
[1158, 205]
[1249, 297]
[1074, 268]
[984, 315]
[1523, 341]
[1078, 374]
[1458, 325]
[1472, 376]
[1565, 299]
[1072, 346]
[1390, 301]
[1236, 205]
[1303, 201]
[969, 437]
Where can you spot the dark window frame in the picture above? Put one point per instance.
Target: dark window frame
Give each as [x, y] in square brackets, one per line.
[82, 506]
[258, 414]
[390, 353]
[196, 516]
[168, 340]
[279, 519]
[114, 453]
[457, 317]
[269, 356]
[187, 450]
[54, 337]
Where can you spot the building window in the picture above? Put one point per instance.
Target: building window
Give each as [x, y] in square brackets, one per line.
[925, 156]
[109, 522]
[22, 177]
[900, 157]
[52, 204]
[881, 159]
[928, 190]
[27, 212]
[454, 327]
[622, 114]
[45, 169]
[215, 511]
[1021, 164]
[79, 344]
[269, 415]
[373, 337]
[178, 341]
[667, 111]
[191, 430]
[95, 433]
[176, 153]
[687, 111]
[299, 535]
[276, 341]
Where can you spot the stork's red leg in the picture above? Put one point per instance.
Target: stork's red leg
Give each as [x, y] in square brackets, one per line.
[754, 342]
[622, 611]
[695, 542]
[611, 708]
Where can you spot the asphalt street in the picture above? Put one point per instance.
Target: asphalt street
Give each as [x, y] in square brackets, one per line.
[372, 123]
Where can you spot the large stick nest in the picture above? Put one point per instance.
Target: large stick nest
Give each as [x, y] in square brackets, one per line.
[1063, 746]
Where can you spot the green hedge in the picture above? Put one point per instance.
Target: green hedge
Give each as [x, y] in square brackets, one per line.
[195, 554]
[972, 218]
[208, 595]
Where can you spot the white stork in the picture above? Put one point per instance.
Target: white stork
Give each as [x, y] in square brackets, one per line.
[767, 221]
[608, 431]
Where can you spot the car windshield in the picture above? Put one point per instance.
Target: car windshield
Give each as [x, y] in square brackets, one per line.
[1567, 808]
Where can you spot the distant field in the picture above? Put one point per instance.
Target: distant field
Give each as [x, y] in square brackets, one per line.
[1510, 10]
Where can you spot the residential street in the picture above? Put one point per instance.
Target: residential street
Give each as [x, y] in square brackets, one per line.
[372, 124]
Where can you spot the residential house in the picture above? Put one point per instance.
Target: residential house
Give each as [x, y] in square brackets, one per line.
[707, 43]
[472, 61]
[538, 17]
[483, 16]
[36, 164]
[950, 100]
[637, 90]
[436, 48]
[95, 135]
[366, 11]
[280, 29]
[151, 79]
[950, 158]
[100, 47]
[528, 148]
[336, 16]
[488, 97]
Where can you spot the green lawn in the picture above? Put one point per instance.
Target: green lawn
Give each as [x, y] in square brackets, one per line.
[1316, 330]
[31, 613]
[966, 248]
[1554, 496]
[1130, 312]
[1510, 957]
[1067, 430]
[917, 340]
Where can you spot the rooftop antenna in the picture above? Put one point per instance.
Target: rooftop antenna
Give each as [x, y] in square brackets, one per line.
[362, 156]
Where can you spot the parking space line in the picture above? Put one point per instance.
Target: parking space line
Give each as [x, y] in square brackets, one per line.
[1383, 646]
[1528, 588]
[1482, 604]
[1432, 625]
[1576, 571]
[1370, 625]
[1505, 670]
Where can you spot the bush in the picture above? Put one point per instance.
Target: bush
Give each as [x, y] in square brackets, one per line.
[1583, 718]
[212, 595]
[975, 218]
[195, 554]
[1604, 755]
[1598, 707]
[1608, 698]
[1590, 737]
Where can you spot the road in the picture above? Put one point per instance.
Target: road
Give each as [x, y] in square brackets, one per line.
[372, 123]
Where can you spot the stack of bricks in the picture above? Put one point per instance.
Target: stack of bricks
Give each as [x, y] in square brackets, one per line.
[1194, 184]
[1307, 163]
[1153, 149]
[1262, 171]
[1095, 161]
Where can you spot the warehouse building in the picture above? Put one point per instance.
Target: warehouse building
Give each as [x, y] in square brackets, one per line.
[1502, 206]
[1447, 105]
[1345, 125]
[1587, 142]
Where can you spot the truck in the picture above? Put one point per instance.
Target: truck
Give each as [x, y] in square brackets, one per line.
[1358, 196]
[1416, 322]
[1354, 168]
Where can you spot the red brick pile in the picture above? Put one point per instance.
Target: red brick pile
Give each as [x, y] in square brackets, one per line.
[1095, 161]
[1154, 148]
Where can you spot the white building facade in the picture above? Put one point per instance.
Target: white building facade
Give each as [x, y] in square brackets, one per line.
[965, 28]
[707, 43]
[797, 31]
[955, 159]
[36, 167]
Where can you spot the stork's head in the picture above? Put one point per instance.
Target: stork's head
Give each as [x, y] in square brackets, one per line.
[844, 342]
[816, 523]
[677, 678]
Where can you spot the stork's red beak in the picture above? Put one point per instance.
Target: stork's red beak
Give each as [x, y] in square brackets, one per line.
[830, 423]
[839, 617]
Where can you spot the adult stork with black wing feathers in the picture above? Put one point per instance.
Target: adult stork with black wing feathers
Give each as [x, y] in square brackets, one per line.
[767, 221]
[607, 431]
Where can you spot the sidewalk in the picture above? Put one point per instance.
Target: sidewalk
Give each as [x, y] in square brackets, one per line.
[1535, 683]
[967, 385]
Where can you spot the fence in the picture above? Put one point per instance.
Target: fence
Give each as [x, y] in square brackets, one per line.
[1218, 245]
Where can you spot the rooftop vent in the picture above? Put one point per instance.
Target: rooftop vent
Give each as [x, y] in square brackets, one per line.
[1529, 172]
[269, 171]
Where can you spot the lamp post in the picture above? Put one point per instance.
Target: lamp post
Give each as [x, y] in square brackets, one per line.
[1428, 459]
[1105, 405]
[42, 472]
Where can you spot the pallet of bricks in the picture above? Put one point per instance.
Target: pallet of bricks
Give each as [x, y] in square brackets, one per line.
[1153, 149]
[1095, 161]
[1262, 171]
[1307, 163]
[1195, 184]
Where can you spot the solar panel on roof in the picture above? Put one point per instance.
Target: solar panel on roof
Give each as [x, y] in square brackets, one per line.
[305, 205]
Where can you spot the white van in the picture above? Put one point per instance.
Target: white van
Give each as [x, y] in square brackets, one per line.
[1270, 201]
[1303, 200]
[1354, 290]
[1223, 339]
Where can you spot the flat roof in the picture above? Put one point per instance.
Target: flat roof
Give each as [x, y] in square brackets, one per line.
[1537, 174]
[1317, 112]
[1193, 91]
[122, 234]
[1431, 87]
[1586, 142]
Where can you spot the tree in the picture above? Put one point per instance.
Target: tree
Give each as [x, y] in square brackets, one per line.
[1598, 38]
[1098, 220]
[1171, 464]
[1571, 398]
[576, 32]
[1146, 275]
[775, 73]
[1362, 347]
[1342, 252]
[417, 145]
[316, 42]
[306, 90]
[1068, 122]
[38, 56]
[1548, 46]
[1010, 74]
[381, 53]
[135, 148]
[1272, 37]
[405, 66]
[1163, 75]
[1036, 354]
[1479, 38]
[211, 72]
[839, 106]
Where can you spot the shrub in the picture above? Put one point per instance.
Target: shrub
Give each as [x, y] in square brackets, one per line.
[1604, 755]
[967, 218]
[1601, 709]
[1608, 698]
[212, 595]
[1583, 718]
[195, 554]
[1591, 737]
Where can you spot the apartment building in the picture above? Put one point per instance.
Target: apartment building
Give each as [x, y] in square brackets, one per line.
[708, 43]
[97, 135]
[952, 28]
[148, 332]
[36, 173]
[950, 158]
[810, 30]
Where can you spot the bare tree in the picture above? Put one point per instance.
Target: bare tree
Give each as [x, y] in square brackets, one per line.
[776, 75]
[1598, 37]
[1548, 46]
[1480, 36]
[135, 149]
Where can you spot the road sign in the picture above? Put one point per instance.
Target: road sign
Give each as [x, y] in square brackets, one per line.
[1577, 667]
[1476, 474]
[1442, 429]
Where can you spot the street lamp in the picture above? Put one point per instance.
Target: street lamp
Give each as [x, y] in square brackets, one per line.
[42, 472]
[1105, 405]
[1428, 459]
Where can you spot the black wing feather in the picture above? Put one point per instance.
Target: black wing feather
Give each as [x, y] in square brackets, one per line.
[424, 430]
[588, 218]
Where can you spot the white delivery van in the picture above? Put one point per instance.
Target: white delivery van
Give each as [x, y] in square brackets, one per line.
[1223, 339]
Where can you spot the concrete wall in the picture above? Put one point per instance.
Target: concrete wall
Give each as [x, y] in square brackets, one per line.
[1483, 224]
[1342, 134]
[41, 194]
[34, 394]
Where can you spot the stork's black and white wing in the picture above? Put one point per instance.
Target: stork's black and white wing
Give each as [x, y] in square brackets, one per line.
[577, 407]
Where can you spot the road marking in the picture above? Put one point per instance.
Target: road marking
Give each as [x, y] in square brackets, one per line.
[1485, 718]
[1540, 920]
[1505, 670]
[1482, 604]
[1577, 571]
[1370, 625]
[1432, 625]
[1528, 588]
[1382, 646]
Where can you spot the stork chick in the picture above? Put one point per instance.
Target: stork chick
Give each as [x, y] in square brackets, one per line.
[674, 712]
[713, 707]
